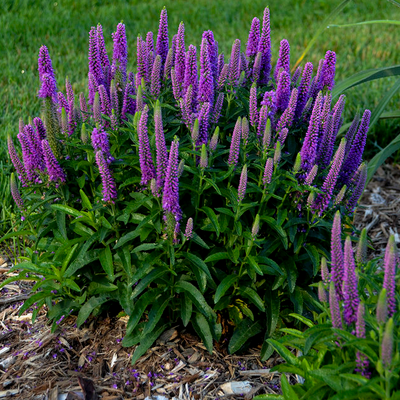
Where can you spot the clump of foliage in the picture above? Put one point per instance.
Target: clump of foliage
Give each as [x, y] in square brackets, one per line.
[174, 194]
[351, 350]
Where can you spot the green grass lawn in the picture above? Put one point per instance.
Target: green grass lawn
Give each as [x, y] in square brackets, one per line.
[63, 26]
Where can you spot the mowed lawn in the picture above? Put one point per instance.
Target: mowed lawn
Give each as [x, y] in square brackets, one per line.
[63, 26]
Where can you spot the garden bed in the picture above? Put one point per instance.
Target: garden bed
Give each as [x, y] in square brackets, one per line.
[38, 364]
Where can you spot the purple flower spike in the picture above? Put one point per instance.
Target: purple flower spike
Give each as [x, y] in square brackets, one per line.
[389, 282]
[95, 66]
[145, 158]
[296, 76]
[223, 76]
[286, 119]
[102, 51]
[18, 165]
[189, 229]
[256, 73]
[35, 147]
[214, 140]
[282, 136]
[93, 87]
[143, 68]
[212, 53]
[55, 172]
[268, 170]
[264, 47]
[337, 113]
[358, 187]
[206, 85]
[253, 106]
[235, 143]
[262, 121]
[387, 345]
[204, 124]
[180, 54]
[161, 148]
[109, 189]
[309, 148]
[191, 71]
[283, 59]
[62, 102]
[328, 80]
[351, 132]
[170, 201]
[27, 158]
[311, 175]
[186, 105]
[15, 192]
[254, 38]
[245, 130]
[129, 103]
[120, 50]
[350, 292]
[304, 89]
[283, 91]
[48, 88]
[354, 157]
[45, 66]
[104, 101]
[40, 128]
[325, 149]
[234, 71]
[361, 359]
[220, 63]
[155, 87]
[176, 89]
[317, 83]
[322, 297]
[324, 271]
[168, 64]
[162, 45]
[218, 108]
[322, 200]
[340, 195]
[150, 46]
[337, 262]
[100, 142]
[242, 184]
[334, 306]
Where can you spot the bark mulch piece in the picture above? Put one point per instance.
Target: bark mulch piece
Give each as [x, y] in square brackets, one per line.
[90, 363]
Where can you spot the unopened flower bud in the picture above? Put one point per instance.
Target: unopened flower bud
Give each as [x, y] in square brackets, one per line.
[214, 139]
[180, 168]
[277, 155]
[297, 164]
[84, 135]
[256, 227]
[382, 308]
[195, 131]
[203, 157]
[361, 255]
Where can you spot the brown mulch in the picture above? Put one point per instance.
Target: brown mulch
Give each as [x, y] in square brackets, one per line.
[90, 363]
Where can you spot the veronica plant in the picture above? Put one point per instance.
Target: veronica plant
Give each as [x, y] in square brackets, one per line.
[237, 152]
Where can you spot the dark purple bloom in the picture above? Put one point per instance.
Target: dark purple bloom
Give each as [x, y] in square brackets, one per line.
[114, 100]
[191, 78]
[283, 59]
[186, 105]
[350, 292]
[264, 47]
[358, 185]
[35, 148]
[102, 53]
[220, 63]
[283, 91]
[48, 88]
[62, 103]
[282, 136]
[168, 64]
[254, 38]
[162, 44]
[262, 120]
[129, 103]
[212, 53]
[143, 68]
[337, 262]
[170, 201]
[176, 88]
[286, 119]
[145, 158]
[256, 73]
[45, 65]
[316, 86]
[150, 45]
[328, 79]
[354, 157]
[155, 87]
[234, 71]
[223, 76]
[109, 189]
[15, 192]
[40, 128]
[389, 280]
[70, 92]
[351, 132]
[206, 85]
[217, 108]
[326, 109]
[253, 106]
[296, 76]
[180, 54]
[161, 148]
[325, 149]
[104, 101]
[337, 113]
[93, 87]
[235, 143]
[242, 184]
[304, 89]
[311, 175]
[204, 124]
[309, 148]
[334, 306]
[55, 172]
[28, 161]
[95, 66]
[120, 50]
[189, 229]
[100, 142]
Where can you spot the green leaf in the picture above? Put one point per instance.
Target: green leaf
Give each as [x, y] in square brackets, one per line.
[244, 331]
[254, 265]
[199, 263]
[364, 76]
[85, 200]
[202, 328]
[60, 217]
[225, 284]
[225, 211]
[289, 357]
[107, 262]
[186, 309]
[125, 257]
[139, 308]
[15, 234]
[269, 397]
[147, 342]
[197, 298]
[212, 183]
[329, 377]
[88, 307]
[270, 263]
[282, 234]
[197, 239]
[287, 389]
[143, 283]
[33, 299]
[156, 313]
[291, 272]
[67, 210]
[213, 218]
[314, 256]
[81, 261]
[217, 257]
[377, 21]
[304, 320]
[272, 307]
[253, 296]
[147, 247]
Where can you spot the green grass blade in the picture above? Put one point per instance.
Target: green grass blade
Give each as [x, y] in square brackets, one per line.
[321, 28]
[365, 76]
[376, 21]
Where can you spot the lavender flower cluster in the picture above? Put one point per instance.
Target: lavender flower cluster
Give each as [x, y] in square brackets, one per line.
[343, 289]
[278, 105]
